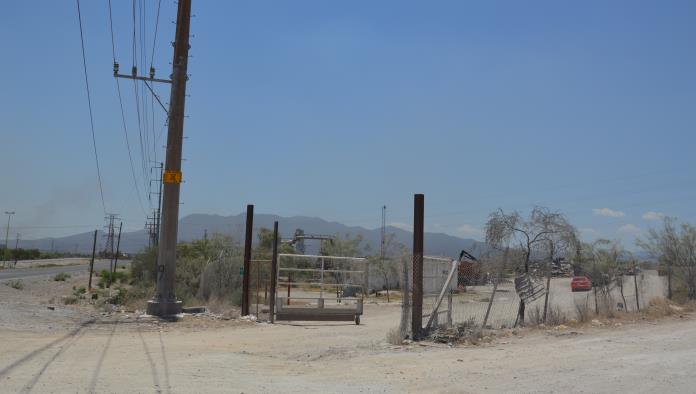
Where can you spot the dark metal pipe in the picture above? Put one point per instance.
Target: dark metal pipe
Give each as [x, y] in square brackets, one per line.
[247, 259]
[417, 301]
[274, 273]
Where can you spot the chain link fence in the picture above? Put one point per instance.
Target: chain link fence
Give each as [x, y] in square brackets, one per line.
[486, 293]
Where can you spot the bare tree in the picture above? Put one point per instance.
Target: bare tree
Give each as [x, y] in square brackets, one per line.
[543, 229]
[664, 246]
[675, 248]
[608, 262]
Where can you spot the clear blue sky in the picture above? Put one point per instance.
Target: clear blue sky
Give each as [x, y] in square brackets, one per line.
[332, 109]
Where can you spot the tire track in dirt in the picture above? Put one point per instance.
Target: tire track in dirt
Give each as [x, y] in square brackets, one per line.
[97, 370]
[167, 386]
[70, 342]
[153, 367]
[36, 352]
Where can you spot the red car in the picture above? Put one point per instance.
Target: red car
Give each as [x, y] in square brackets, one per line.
[580, 283]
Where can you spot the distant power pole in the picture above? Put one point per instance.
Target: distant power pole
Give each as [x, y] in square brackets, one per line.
[165, 302]
[383, 242]
[7, 236]
[118, 247]
[16, 246]
[159, 206]
[91, 262]
[152, 224]
[109, 247]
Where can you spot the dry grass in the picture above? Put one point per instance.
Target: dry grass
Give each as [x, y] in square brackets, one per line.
[554, 316]
[394, 336]
[660, 307]
[656, 309]
[584, 313]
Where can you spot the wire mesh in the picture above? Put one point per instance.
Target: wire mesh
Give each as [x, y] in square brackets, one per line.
[484, 294]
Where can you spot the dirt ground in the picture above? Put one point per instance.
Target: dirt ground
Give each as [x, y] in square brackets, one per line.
[73, 348]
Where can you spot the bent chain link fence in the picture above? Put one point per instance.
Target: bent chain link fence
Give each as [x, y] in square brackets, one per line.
[483, 294]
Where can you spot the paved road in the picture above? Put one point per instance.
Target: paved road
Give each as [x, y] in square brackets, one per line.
[27, 272]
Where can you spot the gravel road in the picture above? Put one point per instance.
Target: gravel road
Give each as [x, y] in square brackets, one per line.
[129, 356]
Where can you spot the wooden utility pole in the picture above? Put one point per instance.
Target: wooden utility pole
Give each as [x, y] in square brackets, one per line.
[91, 262]
[165, 303]
[417, 302]
[246, 273]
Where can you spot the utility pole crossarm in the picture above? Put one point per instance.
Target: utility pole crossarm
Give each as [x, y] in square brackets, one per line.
[139, 78]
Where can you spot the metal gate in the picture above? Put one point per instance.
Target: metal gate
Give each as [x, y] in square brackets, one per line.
[320, 288]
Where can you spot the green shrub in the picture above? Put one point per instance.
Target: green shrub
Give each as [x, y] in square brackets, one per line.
[115, 277]
[79, 291]
[208, 268]
[61, 277]
[70, 300]
[16, 284]
[119, 297]
[143, 267]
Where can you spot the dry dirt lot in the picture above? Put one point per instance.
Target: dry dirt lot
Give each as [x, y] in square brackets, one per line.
[70, 349]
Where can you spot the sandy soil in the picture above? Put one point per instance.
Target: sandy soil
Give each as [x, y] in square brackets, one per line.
[132, 356]
[75, 349]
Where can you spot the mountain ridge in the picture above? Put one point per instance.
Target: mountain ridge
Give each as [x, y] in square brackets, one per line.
[194, 226]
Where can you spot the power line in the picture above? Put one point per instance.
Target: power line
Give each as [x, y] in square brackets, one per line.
[143, 160]
[154, 39]
[152, 71]
[143, 60]
[89, 103]
[123, 116]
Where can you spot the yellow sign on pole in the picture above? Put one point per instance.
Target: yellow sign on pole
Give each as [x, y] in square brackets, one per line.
[172, 177]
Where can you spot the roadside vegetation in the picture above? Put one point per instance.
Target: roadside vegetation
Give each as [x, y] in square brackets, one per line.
[207, 270]
[61, 277]
[36, 254]
[16, 284]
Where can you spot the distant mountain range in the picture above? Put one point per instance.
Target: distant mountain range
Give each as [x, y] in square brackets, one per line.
[193, 227]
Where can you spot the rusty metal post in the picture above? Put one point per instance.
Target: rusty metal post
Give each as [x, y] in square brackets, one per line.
[274, 273]
[247, 259]
[258, 281]
[417, 302]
